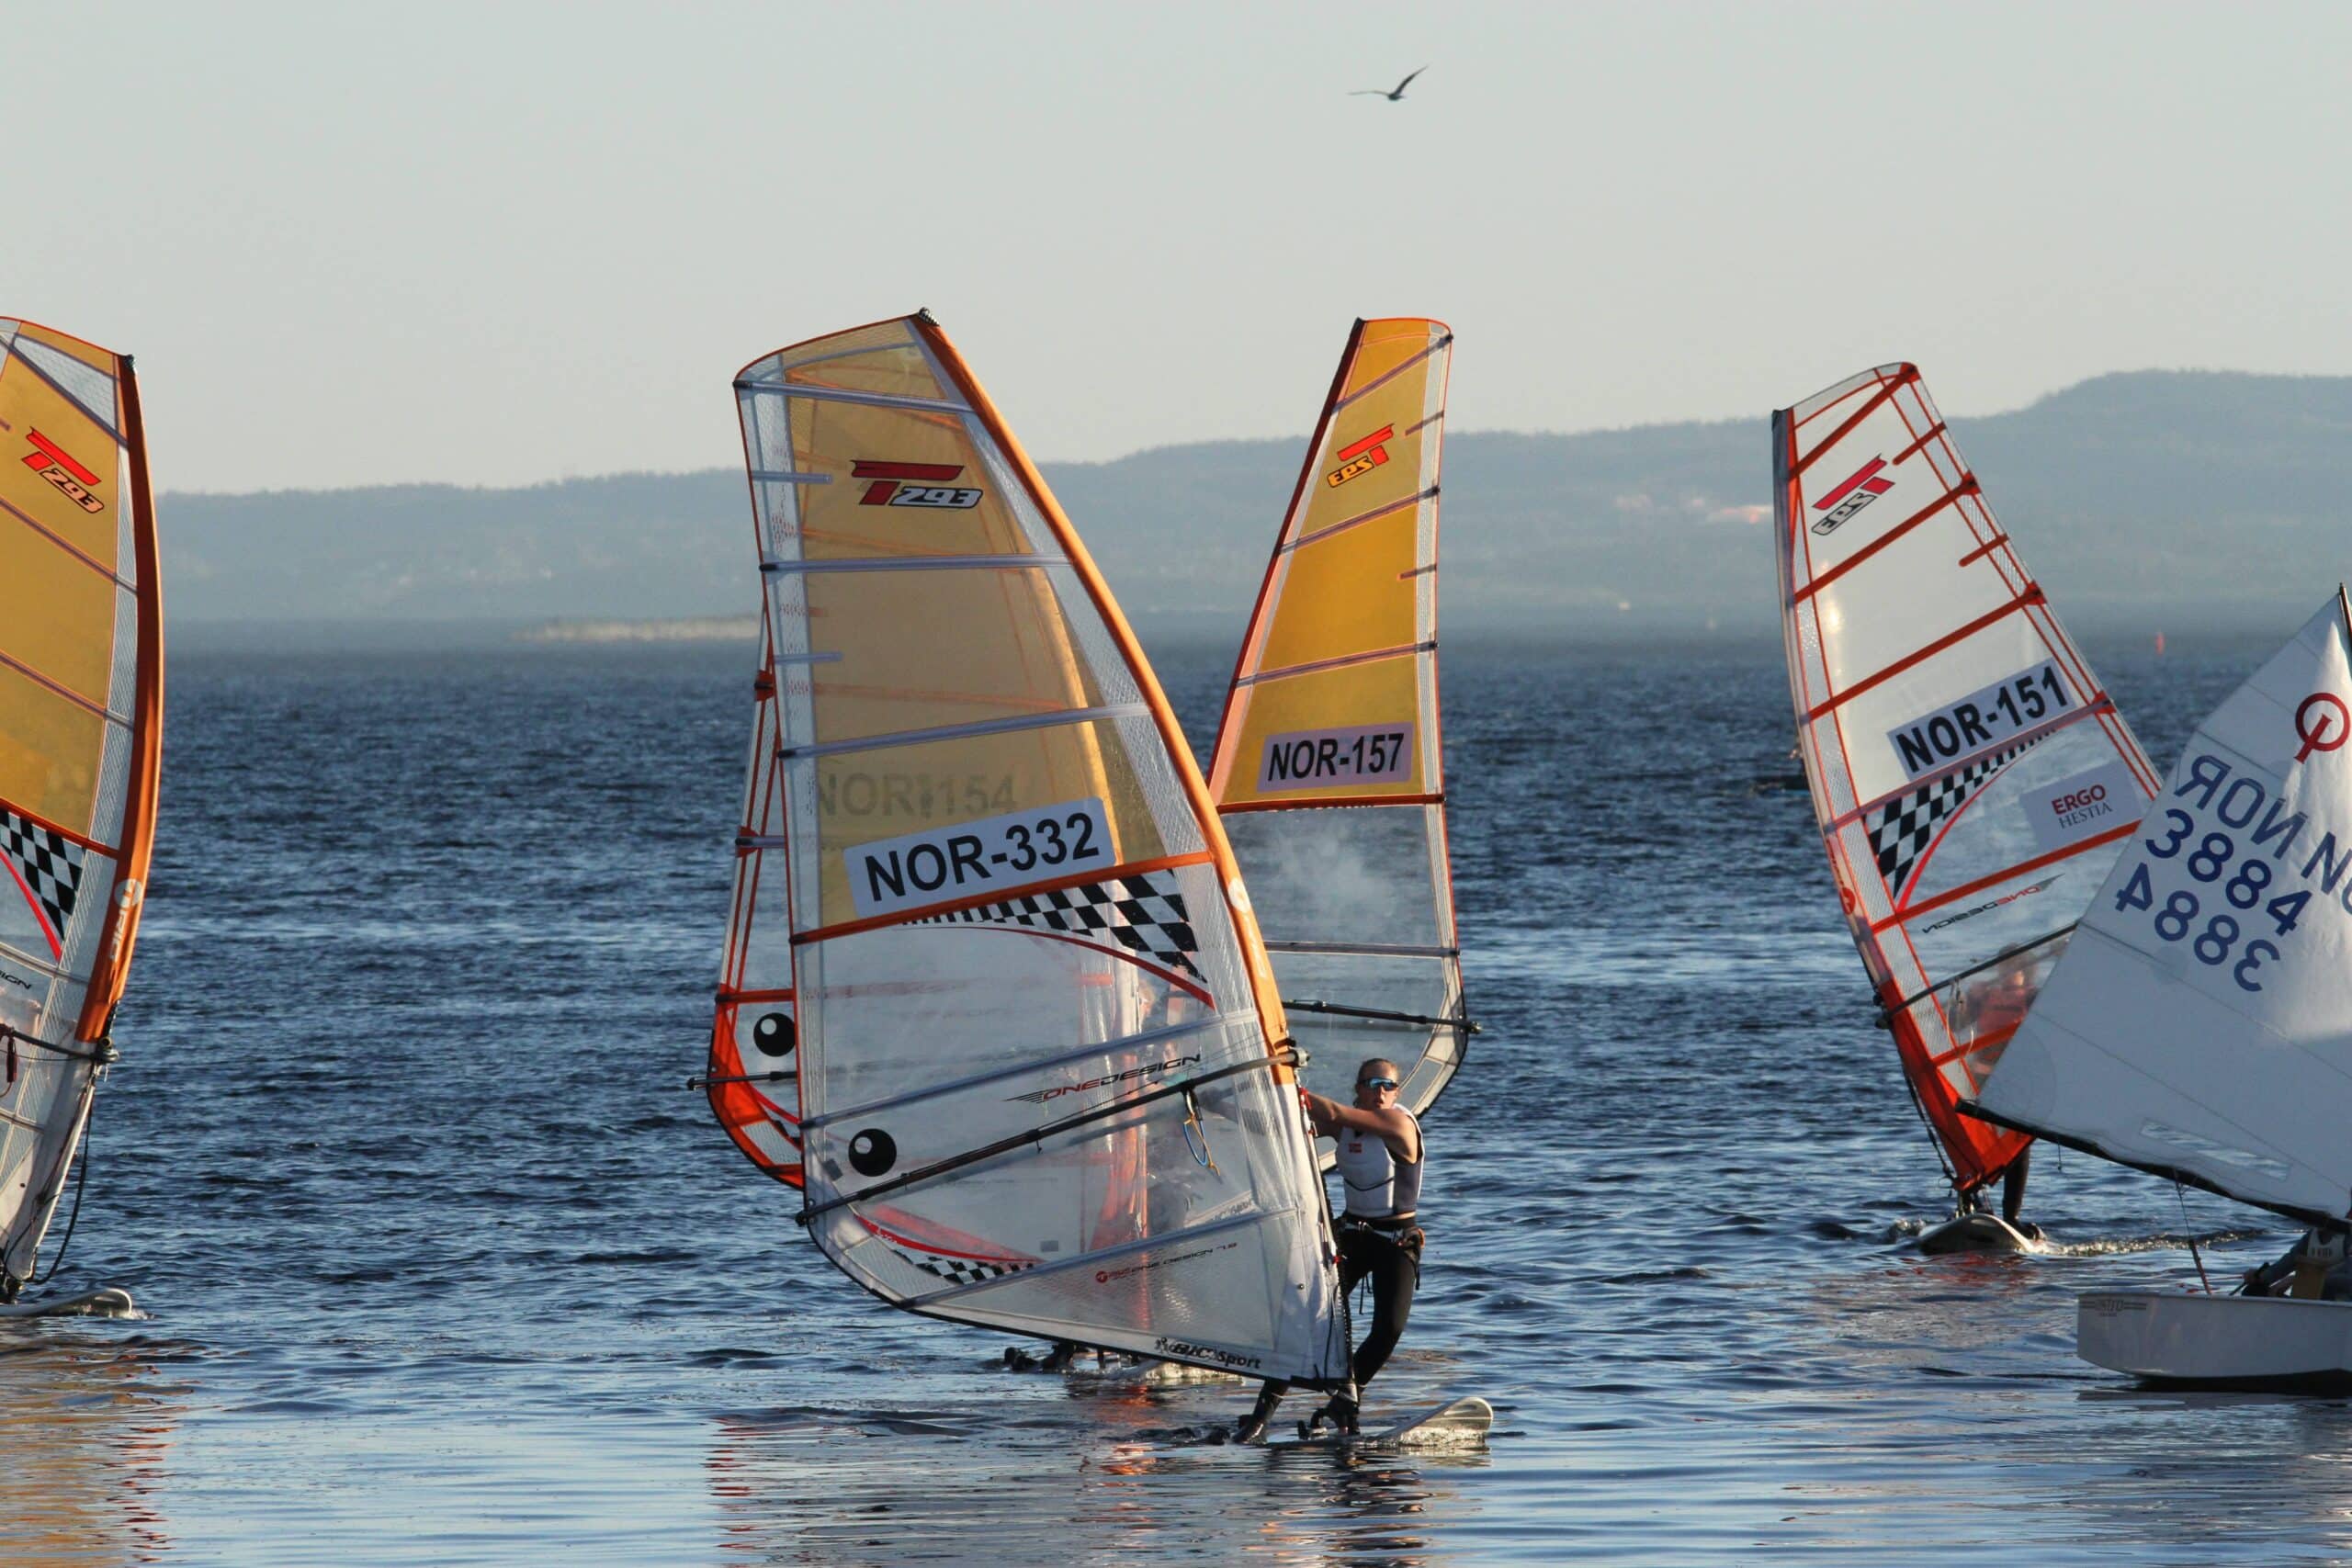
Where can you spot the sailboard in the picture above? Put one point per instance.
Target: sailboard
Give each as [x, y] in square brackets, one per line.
[1329, 767]
[1455, 1422]
[2200, 1025]
[1970, 777]
[991, 973]
[81, 728]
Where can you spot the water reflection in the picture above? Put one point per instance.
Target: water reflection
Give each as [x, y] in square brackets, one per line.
[88, 1424]
[790, 1487]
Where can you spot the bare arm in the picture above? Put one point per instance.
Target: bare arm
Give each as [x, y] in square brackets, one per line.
[1396, 1128]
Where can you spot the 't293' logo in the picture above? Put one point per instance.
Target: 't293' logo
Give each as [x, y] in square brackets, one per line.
[57, 466]
[1362, 457]
[1857, 492]
[914, 484]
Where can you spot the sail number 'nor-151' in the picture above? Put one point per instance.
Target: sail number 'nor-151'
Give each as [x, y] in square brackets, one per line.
[977, 858]
[1980, 719]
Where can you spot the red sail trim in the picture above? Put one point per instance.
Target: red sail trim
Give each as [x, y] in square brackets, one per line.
[1000, 896]
[1910, 912]
[1966, 487]
[1986, 548]
[733, 997]
[1919, 445]
[1838, 699]
[1312, 802]
[1984, 1042]
[49, 933]
[1159, 971]
[1877, 400]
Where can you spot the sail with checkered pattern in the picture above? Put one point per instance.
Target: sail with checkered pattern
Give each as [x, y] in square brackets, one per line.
[81, 709]
[1329, 769]
[1971, 778]
[993, 996]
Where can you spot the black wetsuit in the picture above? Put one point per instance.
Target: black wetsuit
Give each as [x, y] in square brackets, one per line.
[1391, 1256]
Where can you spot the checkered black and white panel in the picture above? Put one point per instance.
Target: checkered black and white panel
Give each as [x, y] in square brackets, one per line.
[49, 865]
[1143, 914]
[1903, 828]
[960, 1270]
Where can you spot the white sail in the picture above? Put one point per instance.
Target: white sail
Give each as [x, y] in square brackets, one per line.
[1970, 777]
[2201, 1024]
[990, 928]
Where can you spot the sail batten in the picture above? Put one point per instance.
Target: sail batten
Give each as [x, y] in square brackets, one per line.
[1028, 1014]
[1962, 799]
[1329, 767]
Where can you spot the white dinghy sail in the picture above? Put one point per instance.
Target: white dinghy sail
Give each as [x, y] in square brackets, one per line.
[1972, 779]
[81, 726]
[2201, 1024]
[991, 963]
[1330, 768]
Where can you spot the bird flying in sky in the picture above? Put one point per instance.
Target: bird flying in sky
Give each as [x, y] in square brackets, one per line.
[1395, 94]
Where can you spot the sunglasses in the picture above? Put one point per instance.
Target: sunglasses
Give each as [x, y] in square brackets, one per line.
[1375, 1083]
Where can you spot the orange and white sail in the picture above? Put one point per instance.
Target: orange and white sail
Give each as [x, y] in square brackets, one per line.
[1329, 767]
[1971, 777]
[992, 983]
[81, 726]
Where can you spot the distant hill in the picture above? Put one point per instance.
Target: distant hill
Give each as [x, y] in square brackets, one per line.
[2199, 496]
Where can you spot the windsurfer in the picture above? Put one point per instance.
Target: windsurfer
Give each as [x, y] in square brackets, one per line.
[2315, 1268]
[1380, 1160]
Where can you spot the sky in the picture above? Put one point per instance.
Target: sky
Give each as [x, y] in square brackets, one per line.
[501, 243]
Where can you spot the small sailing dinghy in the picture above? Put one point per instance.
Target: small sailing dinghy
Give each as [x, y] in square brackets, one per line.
[1971, 778]
[2201, 1024]
[1330, 770]
[994, 995]
[81, 732]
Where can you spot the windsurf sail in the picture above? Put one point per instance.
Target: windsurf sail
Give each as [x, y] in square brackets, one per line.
[1330, 768]
[992, 975]
[81, 728]
[1971, 778]
[2201, 1024]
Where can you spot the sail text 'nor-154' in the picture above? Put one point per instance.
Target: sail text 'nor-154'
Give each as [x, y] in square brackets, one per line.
[992, 984]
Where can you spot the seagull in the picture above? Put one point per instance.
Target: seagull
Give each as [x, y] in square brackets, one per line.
[1394, 97]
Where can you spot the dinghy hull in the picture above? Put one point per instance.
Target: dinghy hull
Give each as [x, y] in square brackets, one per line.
[2219, 1341]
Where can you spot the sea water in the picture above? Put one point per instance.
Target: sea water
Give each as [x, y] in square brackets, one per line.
[445, 1265]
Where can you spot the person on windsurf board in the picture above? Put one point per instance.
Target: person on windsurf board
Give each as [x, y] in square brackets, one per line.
[1381, 1161]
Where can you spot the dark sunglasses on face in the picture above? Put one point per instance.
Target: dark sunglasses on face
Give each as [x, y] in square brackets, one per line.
[1375, 1083]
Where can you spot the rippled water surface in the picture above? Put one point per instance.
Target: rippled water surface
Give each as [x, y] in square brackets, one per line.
[444, 1265]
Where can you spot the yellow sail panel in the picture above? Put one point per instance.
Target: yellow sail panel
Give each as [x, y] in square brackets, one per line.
[893, 478]
[81, 707]
[1350, 602]
[49, 754]
[992, 989]
[1329, 767]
